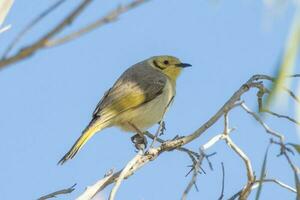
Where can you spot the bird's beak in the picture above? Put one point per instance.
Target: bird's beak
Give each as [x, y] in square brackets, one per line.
[183, 65]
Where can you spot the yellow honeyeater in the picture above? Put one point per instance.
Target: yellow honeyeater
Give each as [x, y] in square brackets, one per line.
[139, 97]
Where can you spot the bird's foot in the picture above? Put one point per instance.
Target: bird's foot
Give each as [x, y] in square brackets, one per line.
[162, 127]
[140, 142]
[176, 137]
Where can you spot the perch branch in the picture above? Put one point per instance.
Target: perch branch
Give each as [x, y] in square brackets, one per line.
[177, 143]
[122, 175]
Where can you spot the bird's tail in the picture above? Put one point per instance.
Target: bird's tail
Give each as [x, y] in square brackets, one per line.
[88, 132]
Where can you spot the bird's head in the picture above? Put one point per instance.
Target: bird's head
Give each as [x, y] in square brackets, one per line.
[169, 65]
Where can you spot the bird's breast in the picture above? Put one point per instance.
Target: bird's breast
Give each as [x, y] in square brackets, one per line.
[149, 113]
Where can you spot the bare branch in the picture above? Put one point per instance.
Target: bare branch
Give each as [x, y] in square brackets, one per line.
[295, 169]
[212, 141]
[231, 103]
[178, 142]
[48, 39]
[292, 94]
[109, 18]
[124, 172]
[196, 168]
[264, 125]
[31, 49]
[281, 184]
[59, 192]
[256, 184]
[35, 21]
[91, 191]
[198, 162]
[281, 116]
[247, 189]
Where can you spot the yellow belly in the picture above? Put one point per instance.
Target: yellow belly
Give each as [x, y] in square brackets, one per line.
[148, 114]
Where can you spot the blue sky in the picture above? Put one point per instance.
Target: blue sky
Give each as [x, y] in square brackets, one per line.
[48, 99]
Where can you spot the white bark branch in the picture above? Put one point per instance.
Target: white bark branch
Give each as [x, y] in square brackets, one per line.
[123, 174]
[140, 160]
[91, 191]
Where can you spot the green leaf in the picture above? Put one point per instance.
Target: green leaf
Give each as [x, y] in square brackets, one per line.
[297, 183]
[287, 60]
[262, 174]
[296, 147]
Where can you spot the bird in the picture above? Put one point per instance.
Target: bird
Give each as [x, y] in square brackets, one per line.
[137, 100]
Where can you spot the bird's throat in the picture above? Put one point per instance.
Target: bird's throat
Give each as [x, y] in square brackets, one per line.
[173, 73]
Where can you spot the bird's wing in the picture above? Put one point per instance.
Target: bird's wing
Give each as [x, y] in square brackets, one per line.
[135, 87]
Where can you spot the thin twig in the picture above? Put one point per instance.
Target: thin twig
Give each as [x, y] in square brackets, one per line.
[281, 116]
[264, 125]
[196, 168]
[247, 189]
[232, 102]
[48, 39]
[295, 169]
[31, 49]
[109, 18]
[256, 184]
[281, 184]
[31, 24]
[160, 127]
[260, 94]
[291, 93]
[161, 123]
[59, 192]
[223, 182]
[197, 164]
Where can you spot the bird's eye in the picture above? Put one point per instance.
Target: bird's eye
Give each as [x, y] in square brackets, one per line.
[166, 62]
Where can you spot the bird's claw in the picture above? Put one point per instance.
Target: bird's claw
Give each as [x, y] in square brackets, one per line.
[140, 142]
[177, 137]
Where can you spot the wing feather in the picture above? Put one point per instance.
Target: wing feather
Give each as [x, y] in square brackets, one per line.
[138, 85]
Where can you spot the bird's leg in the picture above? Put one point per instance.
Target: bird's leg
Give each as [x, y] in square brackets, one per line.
[159, 132]
[139, 140]
[162, 126]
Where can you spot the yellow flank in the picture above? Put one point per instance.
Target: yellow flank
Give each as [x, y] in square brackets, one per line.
[150, 113]
[140, 97]
[128, 101]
